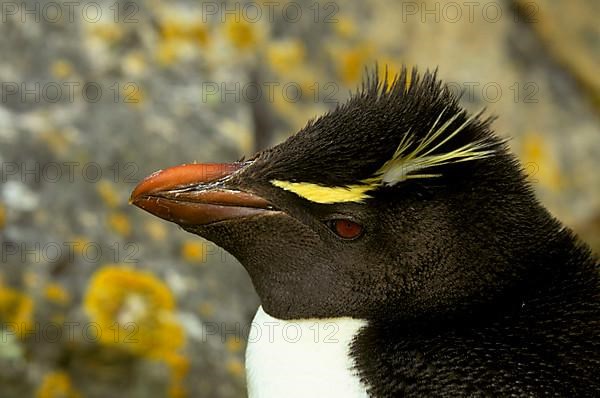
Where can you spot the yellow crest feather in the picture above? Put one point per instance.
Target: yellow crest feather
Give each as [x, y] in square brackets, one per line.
[402, 166]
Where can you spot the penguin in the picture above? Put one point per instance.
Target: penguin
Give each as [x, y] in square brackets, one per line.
[397, 249]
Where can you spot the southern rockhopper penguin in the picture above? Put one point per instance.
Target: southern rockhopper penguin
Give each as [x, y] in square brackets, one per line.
[405, 223]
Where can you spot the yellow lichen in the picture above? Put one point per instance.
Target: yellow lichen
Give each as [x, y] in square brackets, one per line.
[539, 163]
[179, 367]
[393, 69]
[108, 193]
[241, 33]
[79, 244]
[178, 364]
[134, 309]
[352, 63]
[119, 223]
[134, 63]
[233, 344]
[177, 391]
[30, 279]
[180, 36]
[166, 53]
[176, 29]
[56, 140]
[156, 230]
[133, 94]
[16, 309]
[57, 385]
[345, 27]
[107, 31]
[193, 251]
[56, 293]
[286, 54]
[2, 216]
[61, 69]
[235, 367]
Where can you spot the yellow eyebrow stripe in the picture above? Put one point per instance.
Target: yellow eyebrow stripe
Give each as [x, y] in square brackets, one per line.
[320, 194]
[408, 162]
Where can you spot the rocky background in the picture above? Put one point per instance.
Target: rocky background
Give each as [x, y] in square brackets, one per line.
[99, 299]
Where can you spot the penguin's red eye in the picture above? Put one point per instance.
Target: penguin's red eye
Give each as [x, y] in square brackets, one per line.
[346, 229]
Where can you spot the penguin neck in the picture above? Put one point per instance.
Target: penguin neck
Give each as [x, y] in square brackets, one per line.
[540, 327]
[559, 266]
[303, 357]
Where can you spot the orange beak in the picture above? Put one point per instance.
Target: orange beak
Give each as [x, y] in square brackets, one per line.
[195, 194]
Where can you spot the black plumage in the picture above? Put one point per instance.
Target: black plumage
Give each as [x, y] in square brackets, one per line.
[469, 286]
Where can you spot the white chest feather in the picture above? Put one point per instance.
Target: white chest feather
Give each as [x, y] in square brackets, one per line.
[302, 358]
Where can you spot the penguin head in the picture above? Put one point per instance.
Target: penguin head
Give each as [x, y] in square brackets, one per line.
[396, 204]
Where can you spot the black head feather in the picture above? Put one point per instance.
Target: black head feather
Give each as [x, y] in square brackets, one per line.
[470, 287]
[431, 247]
[351, 142]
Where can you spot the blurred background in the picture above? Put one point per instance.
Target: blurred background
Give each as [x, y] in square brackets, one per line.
[99, 299]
